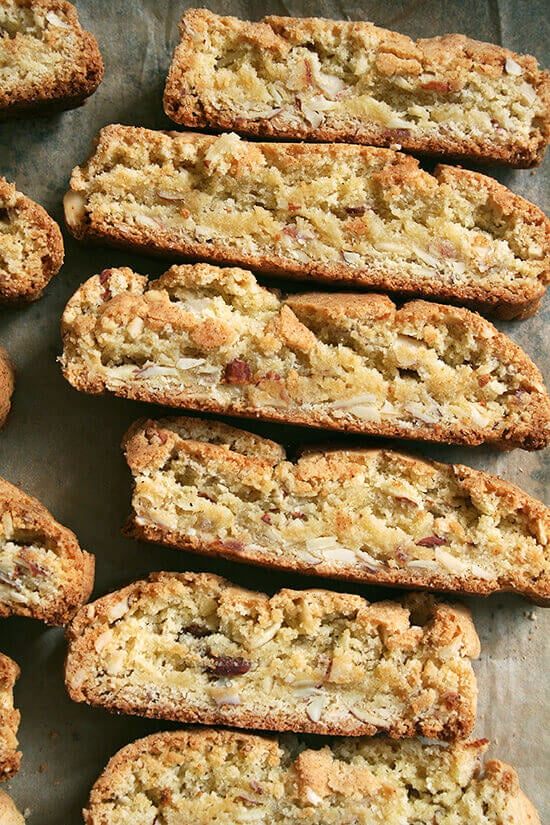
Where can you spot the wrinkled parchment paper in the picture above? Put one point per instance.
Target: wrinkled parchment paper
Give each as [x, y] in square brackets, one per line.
[63, 447]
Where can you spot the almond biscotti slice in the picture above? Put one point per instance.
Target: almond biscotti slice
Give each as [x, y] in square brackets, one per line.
[31, 246]
[10, 758]
[372, 516]
[348, 81]
[7, 385]
[368, 217]
[228, 777]
[43, 572]
[9, 815]
[47, 60]
[212, 339]
[192, 647]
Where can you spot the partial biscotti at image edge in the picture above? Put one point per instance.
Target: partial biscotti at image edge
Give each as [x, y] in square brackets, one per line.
[193, 647]
[10, 758]
[44, 573]
[330, 80]
[209, 338]
[47, 61]
[363, 515]
[31, 247]
[363, 216]
[228, 777]
[9, 815]
[7, 385]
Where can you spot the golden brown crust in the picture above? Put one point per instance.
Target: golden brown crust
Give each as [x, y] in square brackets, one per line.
[150, 446]
[437, 69]
[429, 641]
[238, 773]
[94, 306]
[23, 277]
[7, 385]
[397, 179]
[10, 757]
[64, 87]
[51, 577]
[9, 815]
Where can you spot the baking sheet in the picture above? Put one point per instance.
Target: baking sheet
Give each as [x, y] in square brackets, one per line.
[64, 447]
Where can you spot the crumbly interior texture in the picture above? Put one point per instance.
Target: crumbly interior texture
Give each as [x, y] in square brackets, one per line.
[195, 648]
[7, 385]
[326, 80]
[46, 58]
[10, 758]
[333, 212]
[43, 572]
[31, 246]
[364, 515]
[227, 778]
[213, 339]
[9, 815]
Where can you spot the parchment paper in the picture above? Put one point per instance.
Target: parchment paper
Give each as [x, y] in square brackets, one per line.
[63, 447]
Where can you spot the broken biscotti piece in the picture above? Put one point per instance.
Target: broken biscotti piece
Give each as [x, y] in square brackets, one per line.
[368, 217]
[43, 572]
[373, 516]
[9, 815]
[326, 80]
[239, 777]
[212, 339]
[7, 385]
[47, 61]
[31, 246]
[10, 758]
[195, 648]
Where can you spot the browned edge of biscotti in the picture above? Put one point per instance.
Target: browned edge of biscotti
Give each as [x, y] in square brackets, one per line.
[507, 304]
[10, 757]
[51, 264]
[234, 550]
[183, 103]
[533, 436]
[25, 508]
[81, 635]
[9, 815]
[7, 385]
[70, 92]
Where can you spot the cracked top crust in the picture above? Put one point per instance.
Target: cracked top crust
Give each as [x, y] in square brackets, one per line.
[10, 757]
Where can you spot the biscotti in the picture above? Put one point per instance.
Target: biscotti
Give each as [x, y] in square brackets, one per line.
[227, 777]
[212, 339]
[193, 647]
[31, 246]
[47, 61]
[9, 815]
[348, 81]
[43, 572]
[7, 385]
[10, 758]
[372, 516]
[368, 217]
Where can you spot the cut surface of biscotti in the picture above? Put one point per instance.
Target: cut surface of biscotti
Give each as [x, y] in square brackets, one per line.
[9, 815]
[192, 647]
[212, 339]
[366, 216]
[10, 758]
[7, 385]
[201, 777]
[31, 246]
[348, 81]
[47, 61]
[43, 572]
[374, 516]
